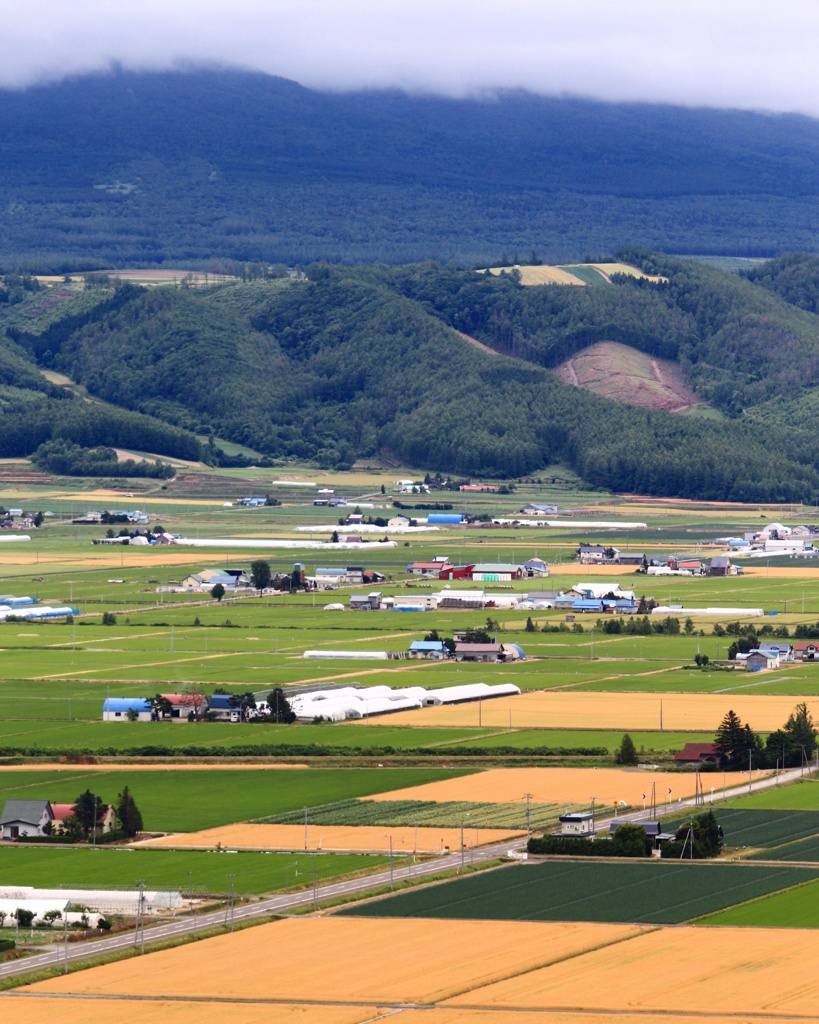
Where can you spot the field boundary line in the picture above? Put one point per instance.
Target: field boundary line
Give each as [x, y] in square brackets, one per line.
[639, 931]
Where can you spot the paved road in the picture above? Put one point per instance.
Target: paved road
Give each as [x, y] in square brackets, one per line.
[286, 902]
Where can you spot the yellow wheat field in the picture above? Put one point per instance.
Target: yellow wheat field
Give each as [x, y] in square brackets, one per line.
[683, 712]
[454, 1015]
[561, 786]
[70, 1010]
[543, 275]
[343, 960]
[736, 971]
[365, 838]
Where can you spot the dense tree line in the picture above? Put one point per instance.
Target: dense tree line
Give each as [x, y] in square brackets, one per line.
[130, 168]
[63, 458]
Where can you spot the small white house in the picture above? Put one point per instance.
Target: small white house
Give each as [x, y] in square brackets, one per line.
[127, 709]
[580, 823]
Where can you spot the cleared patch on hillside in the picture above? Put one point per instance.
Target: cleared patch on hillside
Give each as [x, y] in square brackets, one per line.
[620, 372]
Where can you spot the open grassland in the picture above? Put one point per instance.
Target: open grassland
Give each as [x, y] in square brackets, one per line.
[337, 959]
[372, 839]
[606, 786]
[793, 908]
[639, 711]
[647, 893]
[184, 870]
[672, 970]
[180, 800]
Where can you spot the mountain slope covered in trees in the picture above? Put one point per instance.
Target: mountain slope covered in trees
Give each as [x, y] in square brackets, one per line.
[205, 165]
[357, 362]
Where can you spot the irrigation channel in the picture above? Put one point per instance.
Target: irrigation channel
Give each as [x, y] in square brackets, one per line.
[359, 886]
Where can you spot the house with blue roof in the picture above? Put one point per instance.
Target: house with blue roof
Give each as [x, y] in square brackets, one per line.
[127, 709]
[430, 649]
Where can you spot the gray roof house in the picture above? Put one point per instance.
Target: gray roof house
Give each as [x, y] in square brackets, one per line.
[25, 818]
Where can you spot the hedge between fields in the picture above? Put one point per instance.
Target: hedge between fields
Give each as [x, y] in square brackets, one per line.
[306, 750]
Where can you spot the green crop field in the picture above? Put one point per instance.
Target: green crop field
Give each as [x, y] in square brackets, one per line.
[762, 828]
[801, 796]
[179, 800]
[793, 908]
[409, 813]
[659, 893]
[802, 851]
[203, 871]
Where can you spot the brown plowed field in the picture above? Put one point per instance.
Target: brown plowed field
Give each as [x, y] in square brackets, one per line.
[627, 375]
[364, 838]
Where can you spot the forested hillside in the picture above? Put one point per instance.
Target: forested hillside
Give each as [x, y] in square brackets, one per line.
[357, 362]
[207, 166]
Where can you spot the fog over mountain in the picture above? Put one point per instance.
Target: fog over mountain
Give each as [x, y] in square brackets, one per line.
[749, 55]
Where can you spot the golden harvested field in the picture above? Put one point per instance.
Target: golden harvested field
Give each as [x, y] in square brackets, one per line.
[556, 786]
[454, 1015]
[366, 838]
[736, 971]
[543, 275]
[682, 712]
[70, 1010]
[345, 959]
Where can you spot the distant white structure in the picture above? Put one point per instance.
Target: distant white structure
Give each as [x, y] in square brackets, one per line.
[350, 702]
[675, 609]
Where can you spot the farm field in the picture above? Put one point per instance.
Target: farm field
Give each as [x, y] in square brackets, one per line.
[482, 971]
[794, 908]
[188, 870]
[802, 796]
[744, 973]
[41, 1010]
[640, 892]
[607, 786]
[743, 827]
[449, 814]
[338, 959]
[693, 712]
[179, 799]
[334, 837]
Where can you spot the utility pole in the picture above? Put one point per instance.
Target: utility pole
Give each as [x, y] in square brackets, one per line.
[463, 868]
[65, 943]
[528, 798]
[305, 828]
[392, 886]
[315, 886]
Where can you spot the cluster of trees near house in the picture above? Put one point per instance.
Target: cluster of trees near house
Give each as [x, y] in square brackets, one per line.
[87, 814]
[740, 748]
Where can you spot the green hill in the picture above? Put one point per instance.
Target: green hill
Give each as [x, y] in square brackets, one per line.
[357, 362]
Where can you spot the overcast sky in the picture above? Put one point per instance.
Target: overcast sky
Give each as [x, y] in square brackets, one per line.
[752, 54]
